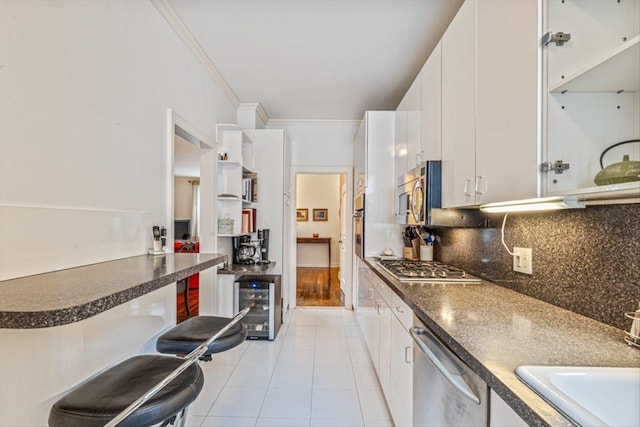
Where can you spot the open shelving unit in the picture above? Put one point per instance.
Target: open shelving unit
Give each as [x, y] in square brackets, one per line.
[615, 71]
[237, 183]
[591, 95]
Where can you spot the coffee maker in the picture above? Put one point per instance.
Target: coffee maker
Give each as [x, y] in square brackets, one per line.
[248, 251]
[243, 251]
[263, 238]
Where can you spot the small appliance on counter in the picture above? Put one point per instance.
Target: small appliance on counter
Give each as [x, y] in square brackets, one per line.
[243, 251]
[263, 238]
[158, 240]
[250, 251]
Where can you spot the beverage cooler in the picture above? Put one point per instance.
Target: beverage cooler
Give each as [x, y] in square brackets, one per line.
[264, 295]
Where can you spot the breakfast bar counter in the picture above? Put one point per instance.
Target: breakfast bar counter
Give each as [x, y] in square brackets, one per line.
[66, 296]
[60, 328]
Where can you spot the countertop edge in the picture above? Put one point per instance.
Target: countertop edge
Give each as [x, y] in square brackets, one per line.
[68, 315]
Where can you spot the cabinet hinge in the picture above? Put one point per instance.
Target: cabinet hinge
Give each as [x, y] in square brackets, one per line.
[559, 38]
[558, 166]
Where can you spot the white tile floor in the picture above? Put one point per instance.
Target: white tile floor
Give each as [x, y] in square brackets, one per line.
[317, 372]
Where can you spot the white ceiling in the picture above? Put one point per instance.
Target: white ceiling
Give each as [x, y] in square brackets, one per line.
[317, 59]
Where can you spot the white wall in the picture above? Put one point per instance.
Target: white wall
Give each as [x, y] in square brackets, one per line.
[318, 192]
[84, 89]
[182, 197]
[322, 143]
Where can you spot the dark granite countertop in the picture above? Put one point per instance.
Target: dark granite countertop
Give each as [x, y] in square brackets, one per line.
[71, 295]
[494, 330]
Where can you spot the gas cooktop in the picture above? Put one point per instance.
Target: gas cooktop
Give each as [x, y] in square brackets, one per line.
[425, 271]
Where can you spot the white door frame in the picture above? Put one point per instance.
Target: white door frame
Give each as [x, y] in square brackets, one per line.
[208, 173]
[347, 214]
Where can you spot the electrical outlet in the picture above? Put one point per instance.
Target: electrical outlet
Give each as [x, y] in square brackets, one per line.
[523, 260]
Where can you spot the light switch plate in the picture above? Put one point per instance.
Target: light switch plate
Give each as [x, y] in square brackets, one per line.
[523, 260]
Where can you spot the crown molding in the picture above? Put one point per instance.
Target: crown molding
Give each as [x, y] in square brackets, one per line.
[257, 107]
[312, 122]
[178, 26]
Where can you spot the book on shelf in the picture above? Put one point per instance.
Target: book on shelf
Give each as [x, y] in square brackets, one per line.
[250, 187]
[248, 220]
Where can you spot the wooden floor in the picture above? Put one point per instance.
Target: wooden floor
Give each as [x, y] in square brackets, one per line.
[312, 290]
[313, 287]
[181, 312]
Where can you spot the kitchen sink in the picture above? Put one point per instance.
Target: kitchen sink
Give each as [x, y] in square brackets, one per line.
[589, 396]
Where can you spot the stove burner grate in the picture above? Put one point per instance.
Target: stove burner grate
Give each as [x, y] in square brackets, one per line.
[406, 270]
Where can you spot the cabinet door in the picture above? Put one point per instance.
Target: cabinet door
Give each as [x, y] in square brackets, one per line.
[414, 123]
[223, 296]
[360, 158]
[401, 388]
[384, 348]
[501, 414]
[592, 94]
[401, 138]
[458, 109]
[431, 105]
[506, 100]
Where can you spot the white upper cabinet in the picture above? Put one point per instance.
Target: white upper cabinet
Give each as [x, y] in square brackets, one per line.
[507, 93]
[591, 94]
[489, 103]
[414, 124]
[401, 137]
[360, 159]
[458, 109]
[431, 105]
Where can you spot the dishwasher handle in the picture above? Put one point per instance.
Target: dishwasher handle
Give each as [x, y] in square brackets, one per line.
[455, 380]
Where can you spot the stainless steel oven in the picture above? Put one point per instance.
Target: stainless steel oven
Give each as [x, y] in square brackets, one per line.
[358, 225]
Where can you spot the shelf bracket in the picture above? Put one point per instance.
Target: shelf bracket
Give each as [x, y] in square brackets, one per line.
[558, 166]
[559, 38]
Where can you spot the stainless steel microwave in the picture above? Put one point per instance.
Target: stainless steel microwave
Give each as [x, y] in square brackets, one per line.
[419, 192]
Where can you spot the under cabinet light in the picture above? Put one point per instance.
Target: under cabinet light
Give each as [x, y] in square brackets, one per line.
[533, 205]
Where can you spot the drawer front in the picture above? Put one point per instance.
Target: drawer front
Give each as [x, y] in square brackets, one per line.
[402, 311]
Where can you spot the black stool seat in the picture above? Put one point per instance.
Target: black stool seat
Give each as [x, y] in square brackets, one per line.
[100, 399]
[186, 336]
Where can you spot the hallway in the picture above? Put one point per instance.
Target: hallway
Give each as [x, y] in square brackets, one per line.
[317, 372]
[313, 288]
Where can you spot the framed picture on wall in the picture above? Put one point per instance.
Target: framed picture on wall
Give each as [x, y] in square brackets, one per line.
[321, 214]
[302, 214]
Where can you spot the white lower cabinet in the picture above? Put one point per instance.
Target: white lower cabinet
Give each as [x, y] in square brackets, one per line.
[223, 296]
[400, 395]
[501, 414]
[382, 316]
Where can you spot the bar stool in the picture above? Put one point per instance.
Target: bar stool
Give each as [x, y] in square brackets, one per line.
[142, 391]
[101, 399]
[186, 336]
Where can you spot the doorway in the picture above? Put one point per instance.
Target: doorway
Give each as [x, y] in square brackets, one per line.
[191, 180]
[320, 233]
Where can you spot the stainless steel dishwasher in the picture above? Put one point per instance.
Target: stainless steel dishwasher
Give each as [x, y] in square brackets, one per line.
[446, 392]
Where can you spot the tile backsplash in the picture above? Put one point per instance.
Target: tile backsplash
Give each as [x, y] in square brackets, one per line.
[584, 260]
